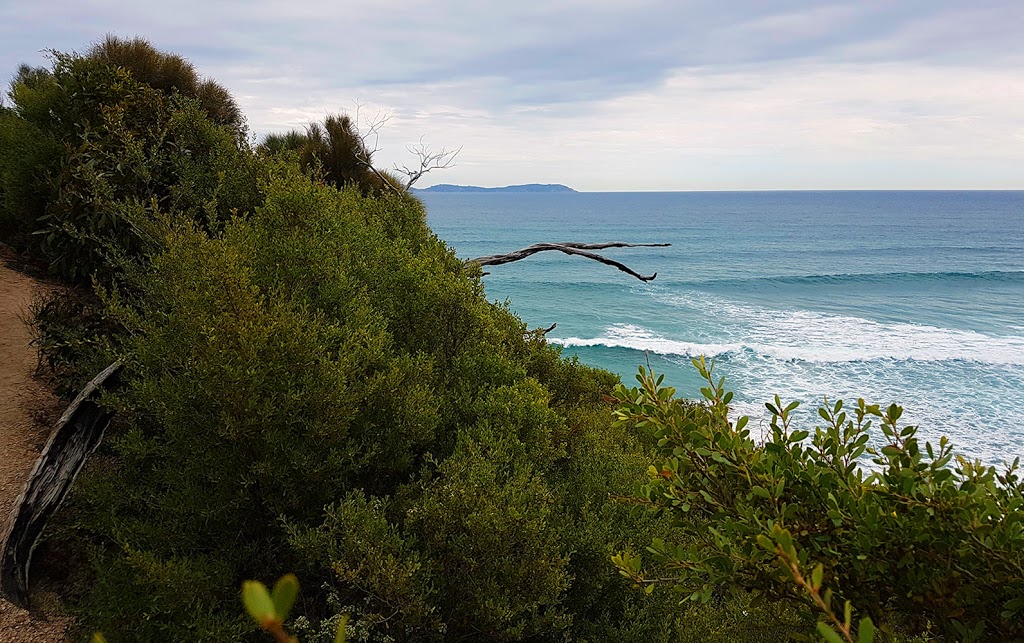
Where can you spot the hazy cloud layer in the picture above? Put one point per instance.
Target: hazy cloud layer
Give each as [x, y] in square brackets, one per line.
[613, 95]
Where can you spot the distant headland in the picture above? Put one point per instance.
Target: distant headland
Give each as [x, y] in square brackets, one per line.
[529, 187]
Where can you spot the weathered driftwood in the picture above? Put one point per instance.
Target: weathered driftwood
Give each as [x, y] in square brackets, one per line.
[77, 434]
[571, 248]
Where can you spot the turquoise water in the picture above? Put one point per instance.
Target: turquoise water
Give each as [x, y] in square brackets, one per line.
[908, 297]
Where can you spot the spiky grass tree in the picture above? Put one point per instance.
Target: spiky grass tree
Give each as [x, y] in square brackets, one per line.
[291, 141]
[336, 149]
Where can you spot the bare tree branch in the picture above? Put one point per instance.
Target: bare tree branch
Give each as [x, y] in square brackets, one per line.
[439, 160]
[372, 135]
[373, 126]
[368, 129]
[571, 248]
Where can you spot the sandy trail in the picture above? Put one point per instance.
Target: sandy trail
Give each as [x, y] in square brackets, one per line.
[27, 409]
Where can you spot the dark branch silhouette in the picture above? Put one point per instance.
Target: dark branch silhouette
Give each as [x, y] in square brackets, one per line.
[571, 248]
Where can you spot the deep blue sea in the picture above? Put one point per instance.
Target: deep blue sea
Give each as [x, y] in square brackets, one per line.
[908, 297]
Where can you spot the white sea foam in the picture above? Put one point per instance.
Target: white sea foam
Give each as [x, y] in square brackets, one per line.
[951, 381]
[818, 338]
[959, 399]
[809, 336]
[639, 338]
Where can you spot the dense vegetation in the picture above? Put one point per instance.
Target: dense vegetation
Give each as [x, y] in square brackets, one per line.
[316, 384]
[915, 542]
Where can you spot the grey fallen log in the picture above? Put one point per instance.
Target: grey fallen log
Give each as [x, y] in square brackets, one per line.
[77, 434]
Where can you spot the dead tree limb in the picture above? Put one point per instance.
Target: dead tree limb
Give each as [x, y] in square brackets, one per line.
[77, 434]
[370, 143]
[428, 160]
[571, 248]
[368, 130]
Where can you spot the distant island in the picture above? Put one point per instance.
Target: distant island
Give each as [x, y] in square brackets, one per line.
[529, 187]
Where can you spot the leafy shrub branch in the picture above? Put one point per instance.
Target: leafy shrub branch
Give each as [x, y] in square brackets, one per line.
[920, 535]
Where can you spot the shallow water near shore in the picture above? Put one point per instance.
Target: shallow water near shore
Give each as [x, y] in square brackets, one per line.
[908, 297]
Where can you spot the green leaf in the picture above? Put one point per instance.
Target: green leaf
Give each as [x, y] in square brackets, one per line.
[341, 635]
[866, 631]
[286, 590]
[258, 602]
[98, 637]
[784, 539]
[828, 633]
[817, 575]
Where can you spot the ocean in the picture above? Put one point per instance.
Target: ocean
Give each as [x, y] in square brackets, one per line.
[912, 297]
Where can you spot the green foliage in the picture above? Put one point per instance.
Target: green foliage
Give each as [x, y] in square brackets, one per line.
[70, 328]
[89, 155]
[835, 630]
[335, 152]
[182, 598]
[26, 154]
[923, 537]
[291, 141]
[168, 73]
[321, 386]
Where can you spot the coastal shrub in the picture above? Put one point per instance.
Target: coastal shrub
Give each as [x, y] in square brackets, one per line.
[24, 192]
[921, 537]
[28, 156]
[270, 609]
[70, 328]
[335, 152]
[89, 154]
[169, 73]
[322, 387]
[290, 141]
[314, 382]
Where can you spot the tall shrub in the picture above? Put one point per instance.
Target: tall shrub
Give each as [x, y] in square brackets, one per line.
[89, 152]
[321, 387]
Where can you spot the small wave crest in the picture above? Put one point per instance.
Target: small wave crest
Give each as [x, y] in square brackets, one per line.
[817, 338]
[874, 278]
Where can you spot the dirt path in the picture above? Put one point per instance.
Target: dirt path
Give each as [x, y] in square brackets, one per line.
[27, 409]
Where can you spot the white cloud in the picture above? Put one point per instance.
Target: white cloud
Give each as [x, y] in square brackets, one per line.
[804, 126]
[616, 95]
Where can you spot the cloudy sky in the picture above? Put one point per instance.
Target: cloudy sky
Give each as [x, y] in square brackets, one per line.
[611, 95]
